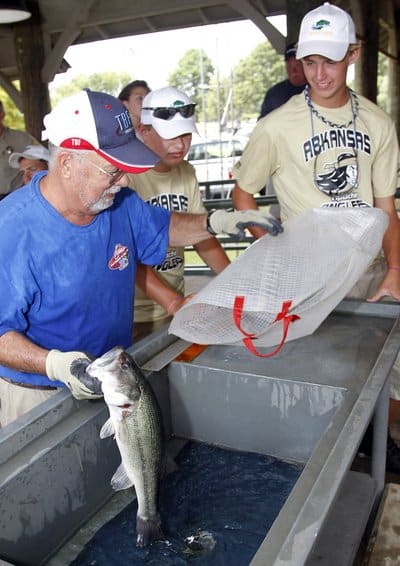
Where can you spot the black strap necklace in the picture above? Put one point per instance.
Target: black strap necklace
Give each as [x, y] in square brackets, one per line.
[353, 103]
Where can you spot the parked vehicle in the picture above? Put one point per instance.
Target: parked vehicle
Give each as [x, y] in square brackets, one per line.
[214, 161]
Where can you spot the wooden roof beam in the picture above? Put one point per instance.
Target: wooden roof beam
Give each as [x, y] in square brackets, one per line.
[71, 31]
[250, 12]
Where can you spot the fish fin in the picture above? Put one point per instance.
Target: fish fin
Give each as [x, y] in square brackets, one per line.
[107, 429]
[120, 479]
[148, 530]
[168, 465]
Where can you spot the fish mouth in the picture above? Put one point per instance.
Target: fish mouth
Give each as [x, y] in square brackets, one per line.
[118, 383]
[103, 364]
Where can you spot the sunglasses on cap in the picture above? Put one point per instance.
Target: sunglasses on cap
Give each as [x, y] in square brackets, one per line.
[166, 113]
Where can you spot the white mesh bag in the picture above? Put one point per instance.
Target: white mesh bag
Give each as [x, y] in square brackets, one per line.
[283, 287]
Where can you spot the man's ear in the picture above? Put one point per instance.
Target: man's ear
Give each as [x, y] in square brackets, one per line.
[354, 55]
[64, 159]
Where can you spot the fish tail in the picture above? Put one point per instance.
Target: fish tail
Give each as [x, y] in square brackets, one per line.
[148, 530]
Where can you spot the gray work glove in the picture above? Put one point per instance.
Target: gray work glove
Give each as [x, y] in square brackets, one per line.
[70, 368]
[234, 223]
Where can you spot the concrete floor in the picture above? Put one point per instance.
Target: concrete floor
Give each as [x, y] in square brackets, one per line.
[380, 548]
[384, 544]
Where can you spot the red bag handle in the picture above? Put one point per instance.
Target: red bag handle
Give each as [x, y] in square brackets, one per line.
[248, 340]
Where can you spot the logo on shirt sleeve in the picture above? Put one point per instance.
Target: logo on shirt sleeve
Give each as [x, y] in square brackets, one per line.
[119, 259]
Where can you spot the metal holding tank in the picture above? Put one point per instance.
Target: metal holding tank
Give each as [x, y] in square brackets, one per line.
[310, 404]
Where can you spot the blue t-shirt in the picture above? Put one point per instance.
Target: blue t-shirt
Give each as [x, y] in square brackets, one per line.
[278, 95]
[72, 287]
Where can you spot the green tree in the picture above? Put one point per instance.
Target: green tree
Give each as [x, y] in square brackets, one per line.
[383, 82]
[14, 118]
[253, 76]
[193, 74]
[110, 82]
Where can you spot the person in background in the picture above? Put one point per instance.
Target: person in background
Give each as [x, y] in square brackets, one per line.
[331, 147]
[10, 142]
[32, 159]
[166, 127]
[132, 97]
[293, 84]
[278, 95]
[69, 244]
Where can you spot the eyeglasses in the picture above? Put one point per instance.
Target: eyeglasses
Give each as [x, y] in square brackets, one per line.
[114, 176]
[166, 112]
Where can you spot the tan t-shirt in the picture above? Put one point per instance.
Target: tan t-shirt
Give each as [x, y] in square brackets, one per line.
[177, 190]
[313, 164]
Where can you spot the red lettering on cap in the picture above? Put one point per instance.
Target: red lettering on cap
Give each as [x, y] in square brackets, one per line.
[76, 143]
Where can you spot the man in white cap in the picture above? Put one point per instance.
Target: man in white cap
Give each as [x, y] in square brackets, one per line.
[330, 147]
[166, 127]
[69, 244]
[32, 159]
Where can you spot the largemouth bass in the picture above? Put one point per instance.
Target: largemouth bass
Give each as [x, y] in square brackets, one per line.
[135, 419]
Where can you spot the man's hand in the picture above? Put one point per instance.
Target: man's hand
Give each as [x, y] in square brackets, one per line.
[390, 287]
[234, 223]
[70, 368]
[178, 303]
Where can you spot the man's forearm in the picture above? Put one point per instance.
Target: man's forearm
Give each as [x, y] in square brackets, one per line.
[154, 287]
[391, 244]
[20, 353]
[391, 240]
[213, 254]
[187, 229]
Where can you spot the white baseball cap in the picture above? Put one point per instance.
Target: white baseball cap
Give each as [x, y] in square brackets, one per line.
[97, 121]
[170, 111]
[327, 31]
[30, 152]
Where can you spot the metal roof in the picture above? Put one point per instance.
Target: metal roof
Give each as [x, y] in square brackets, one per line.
[69, 22]
[33, 50]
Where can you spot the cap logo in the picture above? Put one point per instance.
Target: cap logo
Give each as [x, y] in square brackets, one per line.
[76, 143]
[321, 24]
[124, 123]
[178, 103]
